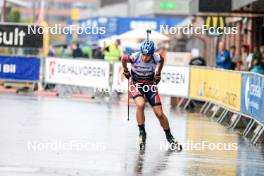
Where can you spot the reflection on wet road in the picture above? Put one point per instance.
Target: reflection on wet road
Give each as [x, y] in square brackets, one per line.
[57, 137]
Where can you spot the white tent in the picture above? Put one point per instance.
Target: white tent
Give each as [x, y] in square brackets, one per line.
[125, 43]
[138, 34]
[19, 3]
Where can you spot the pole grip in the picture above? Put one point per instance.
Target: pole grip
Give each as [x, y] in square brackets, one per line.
[148, 33]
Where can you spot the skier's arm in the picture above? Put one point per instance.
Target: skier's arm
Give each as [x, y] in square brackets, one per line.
[157, 76]
[124, 60]
[160, 65]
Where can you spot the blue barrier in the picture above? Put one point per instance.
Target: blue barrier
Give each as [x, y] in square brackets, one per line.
[252, 98]
[19, 68]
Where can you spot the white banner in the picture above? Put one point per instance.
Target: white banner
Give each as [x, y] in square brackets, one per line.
[174, 80]
[87, 73]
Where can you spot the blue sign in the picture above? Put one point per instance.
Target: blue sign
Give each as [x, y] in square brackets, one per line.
[19, 68]
[252, 100]
[101, 27]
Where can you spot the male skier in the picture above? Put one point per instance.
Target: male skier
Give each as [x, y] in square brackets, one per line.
[146, 67]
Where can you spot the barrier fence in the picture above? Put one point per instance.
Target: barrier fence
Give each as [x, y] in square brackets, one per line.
[218, 86]
[252, 97]
[225, 92]
[237, 91]
[16, 68]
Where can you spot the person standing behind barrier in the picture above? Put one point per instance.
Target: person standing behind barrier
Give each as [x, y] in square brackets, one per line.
[256, 56]
[66, 51]
[223, 57]
[262, 53]
[77, 52]
[244, 56]
[51, 52]
[87, 52]
[257, 66]
[196, 58]
[112, 54]
[233, 56]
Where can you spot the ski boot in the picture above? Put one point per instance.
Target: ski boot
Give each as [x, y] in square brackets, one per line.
[142, 140]
[174, 143]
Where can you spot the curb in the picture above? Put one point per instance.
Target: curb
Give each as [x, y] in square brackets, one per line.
[8, 90]
[82, 96]
[46, 93]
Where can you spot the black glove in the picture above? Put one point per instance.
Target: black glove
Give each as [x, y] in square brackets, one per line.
[157, 78]
[127, 74]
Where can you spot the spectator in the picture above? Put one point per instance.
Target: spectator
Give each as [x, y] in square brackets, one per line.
[196, 58]
[223, 57]
[238, 66]
[244, 56]
[257, 66]
[97, 52]
[233, 57]
[120, 48]
[256, 56]
[87, 52]
[113, 52]
[77, 52]
[262, 53]
[199, 61]
[51, 52]
[66, 51]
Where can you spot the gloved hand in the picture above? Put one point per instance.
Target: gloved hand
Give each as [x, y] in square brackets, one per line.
[157, 78]
[127, 74]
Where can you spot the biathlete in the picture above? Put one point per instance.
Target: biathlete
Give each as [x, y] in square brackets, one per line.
[146, 67]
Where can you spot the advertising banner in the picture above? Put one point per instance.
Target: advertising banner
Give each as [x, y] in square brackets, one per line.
[252, 98]
[13, 35]
[87, 73]
[219, 86]
[174, 80]
[19, 68]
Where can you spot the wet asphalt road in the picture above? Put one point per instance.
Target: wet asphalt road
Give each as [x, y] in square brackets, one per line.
[64, 137]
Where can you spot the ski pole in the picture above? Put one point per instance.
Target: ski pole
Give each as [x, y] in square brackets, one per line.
[148, 32]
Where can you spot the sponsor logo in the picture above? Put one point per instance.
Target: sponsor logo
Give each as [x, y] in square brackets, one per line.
[215, 25]
[52, 66]
[201, 92]
[12, 38]
[252, 93]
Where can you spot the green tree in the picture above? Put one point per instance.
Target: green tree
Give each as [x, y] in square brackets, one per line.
[14, 16]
